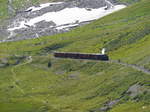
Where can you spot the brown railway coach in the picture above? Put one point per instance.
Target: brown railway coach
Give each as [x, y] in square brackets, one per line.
[102, 57]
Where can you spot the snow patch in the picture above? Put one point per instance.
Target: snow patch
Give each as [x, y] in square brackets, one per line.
[68, 16]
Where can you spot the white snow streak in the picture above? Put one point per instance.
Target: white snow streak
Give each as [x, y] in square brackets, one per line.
[66, 26]
[33, 8]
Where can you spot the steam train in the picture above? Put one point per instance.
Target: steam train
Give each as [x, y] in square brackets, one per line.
[96, 56]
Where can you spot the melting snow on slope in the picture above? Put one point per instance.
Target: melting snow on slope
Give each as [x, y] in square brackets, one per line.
[69, 16]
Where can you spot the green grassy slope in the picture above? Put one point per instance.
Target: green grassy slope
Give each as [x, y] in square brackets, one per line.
[128, 1]
[29, 85]
[3, 9]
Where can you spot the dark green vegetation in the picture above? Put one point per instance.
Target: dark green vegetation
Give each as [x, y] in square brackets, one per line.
[43, 83]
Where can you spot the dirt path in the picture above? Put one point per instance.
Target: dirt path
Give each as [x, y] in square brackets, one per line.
[29, 60]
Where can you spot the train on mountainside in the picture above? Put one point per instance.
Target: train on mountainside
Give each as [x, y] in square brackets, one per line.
[91, 56]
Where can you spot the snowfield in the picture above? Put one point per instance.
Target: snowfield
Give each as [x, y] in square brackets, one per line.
[56, 17]
[67, 16]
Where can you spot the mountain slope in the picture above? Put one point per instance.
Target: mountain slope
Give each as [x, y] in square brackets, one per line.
[33, 80]
[19, 4]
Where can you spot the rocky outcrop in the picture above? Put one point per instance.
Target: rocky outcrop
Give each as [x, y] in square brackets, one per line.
[44, 28]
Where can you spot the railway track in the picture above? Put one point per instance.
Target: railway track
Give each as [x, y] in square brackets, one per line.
[137, 67]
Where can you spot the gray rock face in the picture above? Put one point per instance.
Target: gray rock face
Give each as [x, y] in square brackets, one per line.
[3, 33]
[90, 3]
[44, 28]
[134, 90]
